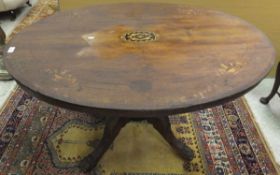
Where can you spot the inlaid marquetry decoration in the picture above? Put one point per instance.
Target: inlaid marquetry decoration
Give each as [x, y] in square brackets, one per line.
[145, 58]
[139, 36]
[230, 68]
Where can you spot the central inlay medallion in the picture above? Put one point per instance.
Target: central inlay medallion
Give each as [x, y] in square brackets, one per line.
[139, 36]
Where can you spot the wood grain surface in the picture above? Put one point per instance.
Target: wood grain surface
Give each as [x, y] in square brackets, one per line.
[262, 14]
[198, 58]
[2, 37]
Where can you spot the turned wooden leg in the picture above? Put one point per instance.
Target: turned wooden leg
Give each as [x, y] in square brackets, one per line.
[265, 100]
[13, 15]
[112, 128]
[163, 126]
[28, 3]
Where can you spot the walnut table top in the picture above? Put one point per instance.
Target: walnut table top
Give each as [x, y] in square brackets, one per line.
[143, 58]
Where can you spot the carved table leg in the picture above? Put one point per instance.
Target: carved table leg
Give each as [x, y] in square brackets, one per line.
[163, 126]
[112, 128]
[265, 100]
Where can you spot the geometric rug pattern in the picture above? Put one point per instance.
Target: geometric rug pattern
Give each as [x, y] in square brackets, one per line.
[38, 138]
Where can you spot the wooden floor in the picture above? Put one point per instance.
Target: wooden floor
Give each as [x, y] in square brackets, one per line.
[264, 14]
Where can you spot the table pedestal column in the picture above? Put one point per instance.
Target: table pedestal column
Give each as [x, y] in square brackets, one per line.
[112, 129]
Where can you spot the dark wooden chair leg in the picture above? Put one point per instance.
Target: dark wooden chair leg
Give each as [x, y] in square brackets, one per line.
[265, 100]
[4, 75]
[2, 37]
[163, 126]
[112, 128]
[13, 15]
[29, 3]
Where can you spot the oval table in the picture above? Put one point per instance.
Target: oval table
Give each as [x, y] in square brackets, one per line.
[139, 61]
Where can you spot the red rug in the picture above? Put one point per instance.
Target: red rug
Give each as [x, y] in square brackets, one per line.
[38, 138]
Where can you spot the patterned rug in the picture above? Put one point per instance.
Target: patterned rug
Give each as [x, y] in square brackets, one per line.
[42, 9]
[38, 138]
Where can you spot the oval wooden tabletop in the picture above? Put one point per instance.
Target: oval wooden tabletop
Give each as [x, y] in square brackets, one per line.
[140, 57]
